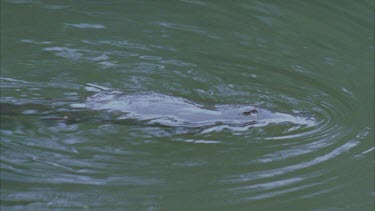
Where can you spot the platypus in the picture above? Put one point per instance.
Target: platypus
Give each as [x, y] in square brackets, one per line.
[149, 108]
[176, 111]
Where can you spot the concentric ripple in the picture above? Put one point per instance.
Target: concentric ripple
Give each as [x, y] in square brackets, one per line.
[304, 147]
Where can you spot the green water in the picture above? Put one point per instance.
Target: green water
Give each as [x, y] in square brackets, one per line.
[310, 57]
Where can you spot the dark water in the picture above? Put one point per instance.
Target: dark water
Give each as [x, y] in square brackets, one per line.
[314, 58]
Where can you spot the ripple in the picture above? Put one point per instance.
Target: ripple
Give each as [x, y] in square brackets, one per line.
[86, 26]
[189, 28]
[65, 52]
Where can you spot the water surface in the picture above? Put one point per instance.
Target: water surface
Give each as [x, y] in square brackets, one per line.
[296, 57]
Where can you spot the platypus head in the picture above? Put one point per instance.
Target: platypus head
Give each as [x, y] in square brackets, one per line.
[253, 113]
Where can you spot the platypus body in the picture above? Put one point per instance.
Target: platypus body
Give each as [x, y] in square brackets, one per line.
[176, 111]
[150, 108]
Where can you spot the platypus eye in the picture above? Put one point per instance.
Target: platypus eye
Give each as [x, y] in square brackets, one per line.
[251, 113]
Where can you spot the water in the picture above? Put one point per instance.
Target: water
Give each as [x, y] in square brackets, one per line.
[296, 57]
